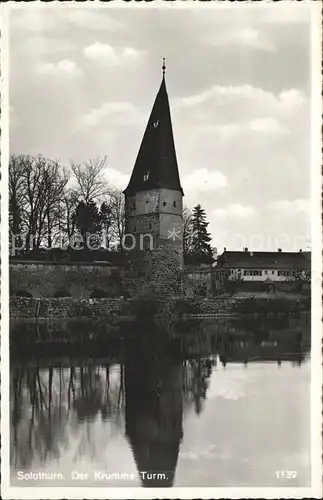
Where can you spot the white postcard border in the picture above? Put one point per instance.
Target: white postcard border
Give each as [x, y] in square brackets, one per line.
[8, 492]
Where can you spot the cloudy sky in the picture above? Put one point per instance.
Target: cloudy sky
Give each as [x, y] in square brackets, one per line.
[83, 81]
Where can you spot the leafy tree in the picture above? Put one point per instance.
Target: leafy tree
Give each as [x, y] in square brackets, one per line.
[299, 277]
[187, 231]
[200, 248]
[232, 283]
[87, 219]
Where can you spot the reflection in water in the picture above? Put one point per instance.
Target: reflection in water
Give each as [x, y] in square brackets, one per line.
[143, 390]
[154, 411]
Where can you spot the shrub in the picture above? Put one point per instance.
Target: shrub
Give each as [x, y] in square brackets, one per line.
[264, 306]
[144, 306]
[200, 289]
[61, 292]
[22, 293]
[186, 306]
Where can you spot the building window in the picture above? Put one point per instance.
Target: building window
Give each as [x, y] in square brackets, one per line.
[246, 273]
[257, 273]
[272, 272]
[174, 203]
[149, 225]
[266, 272]
[164, 203]
[281, 273]
[133, 206]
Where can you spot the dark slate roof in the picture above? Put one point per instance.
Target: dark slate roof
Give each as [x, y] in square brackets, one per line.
[156, 161]
[265, 260]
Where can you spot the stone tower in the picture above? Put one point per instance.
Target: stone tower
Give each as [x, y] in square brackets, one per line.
[153, 197]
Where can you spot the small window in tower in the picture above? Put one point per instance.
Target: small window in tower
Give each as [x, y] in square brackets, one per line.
[164, 203]
[146, 176]
[133, 206]
[174, 203]
[149, 225]
[156, 123]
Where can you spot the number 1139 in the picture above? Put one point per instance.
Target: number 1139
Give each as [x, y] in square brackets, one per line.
[286, 474]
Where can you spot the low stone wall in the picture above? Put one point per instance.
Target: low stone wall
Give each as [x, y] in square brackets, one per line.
[69, 307]
[218, 306]
[285, 304]
[25, 307]
[203, 307]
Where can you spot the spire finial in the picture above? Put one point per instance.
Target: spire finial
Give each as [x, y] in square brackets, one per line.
[164, 67]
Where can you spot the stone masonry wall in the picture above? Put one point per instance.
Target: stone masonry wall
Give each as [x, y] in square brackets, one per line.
[80, 280]
[25, 307]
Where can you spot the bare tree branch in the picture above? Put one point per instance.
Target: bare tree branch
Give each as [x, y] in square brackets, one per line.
[91, 183]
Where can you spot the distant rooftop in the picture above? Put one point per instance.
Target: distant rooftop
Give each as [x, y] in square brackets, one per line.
[270, 260]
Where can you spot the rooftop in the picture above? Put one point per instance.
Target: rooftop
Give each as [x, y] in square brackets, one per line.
[156, 163]
[265, 260]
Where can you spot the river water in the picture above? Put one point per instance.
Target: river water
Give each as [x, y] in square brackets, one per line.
[213, 405]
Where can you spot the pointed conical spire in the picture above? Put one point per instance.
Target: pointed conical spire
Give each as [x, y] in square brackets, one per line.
[156, 163]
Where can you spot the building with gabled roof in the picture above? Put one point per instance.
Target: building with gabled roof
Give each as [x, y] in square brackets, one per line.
[264, 266]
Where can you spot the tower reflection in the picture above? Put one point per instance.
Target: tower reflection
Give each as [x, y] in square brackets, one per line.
[154, 411]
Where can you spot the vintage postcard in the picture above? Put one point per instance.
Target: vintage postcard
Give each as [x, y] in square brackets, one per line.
[161, 250]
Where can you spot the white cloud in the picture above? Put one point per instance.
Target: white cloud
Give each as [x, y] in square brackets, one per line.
[112, 113]
[84, 18]
[222, 120]
[105, 53]
[286, 13]
[290, 207]
[220, 213]
[291, 100]
[227, 131]
[203, 180]
[66, 67]
[116, 178]
[235, 210]
[267, 125]
[49, 18]
[247, 37]
[244, 101]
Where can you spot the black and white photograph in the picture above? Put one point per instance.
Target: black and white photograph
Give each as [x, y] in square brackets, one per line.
[161, 249]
